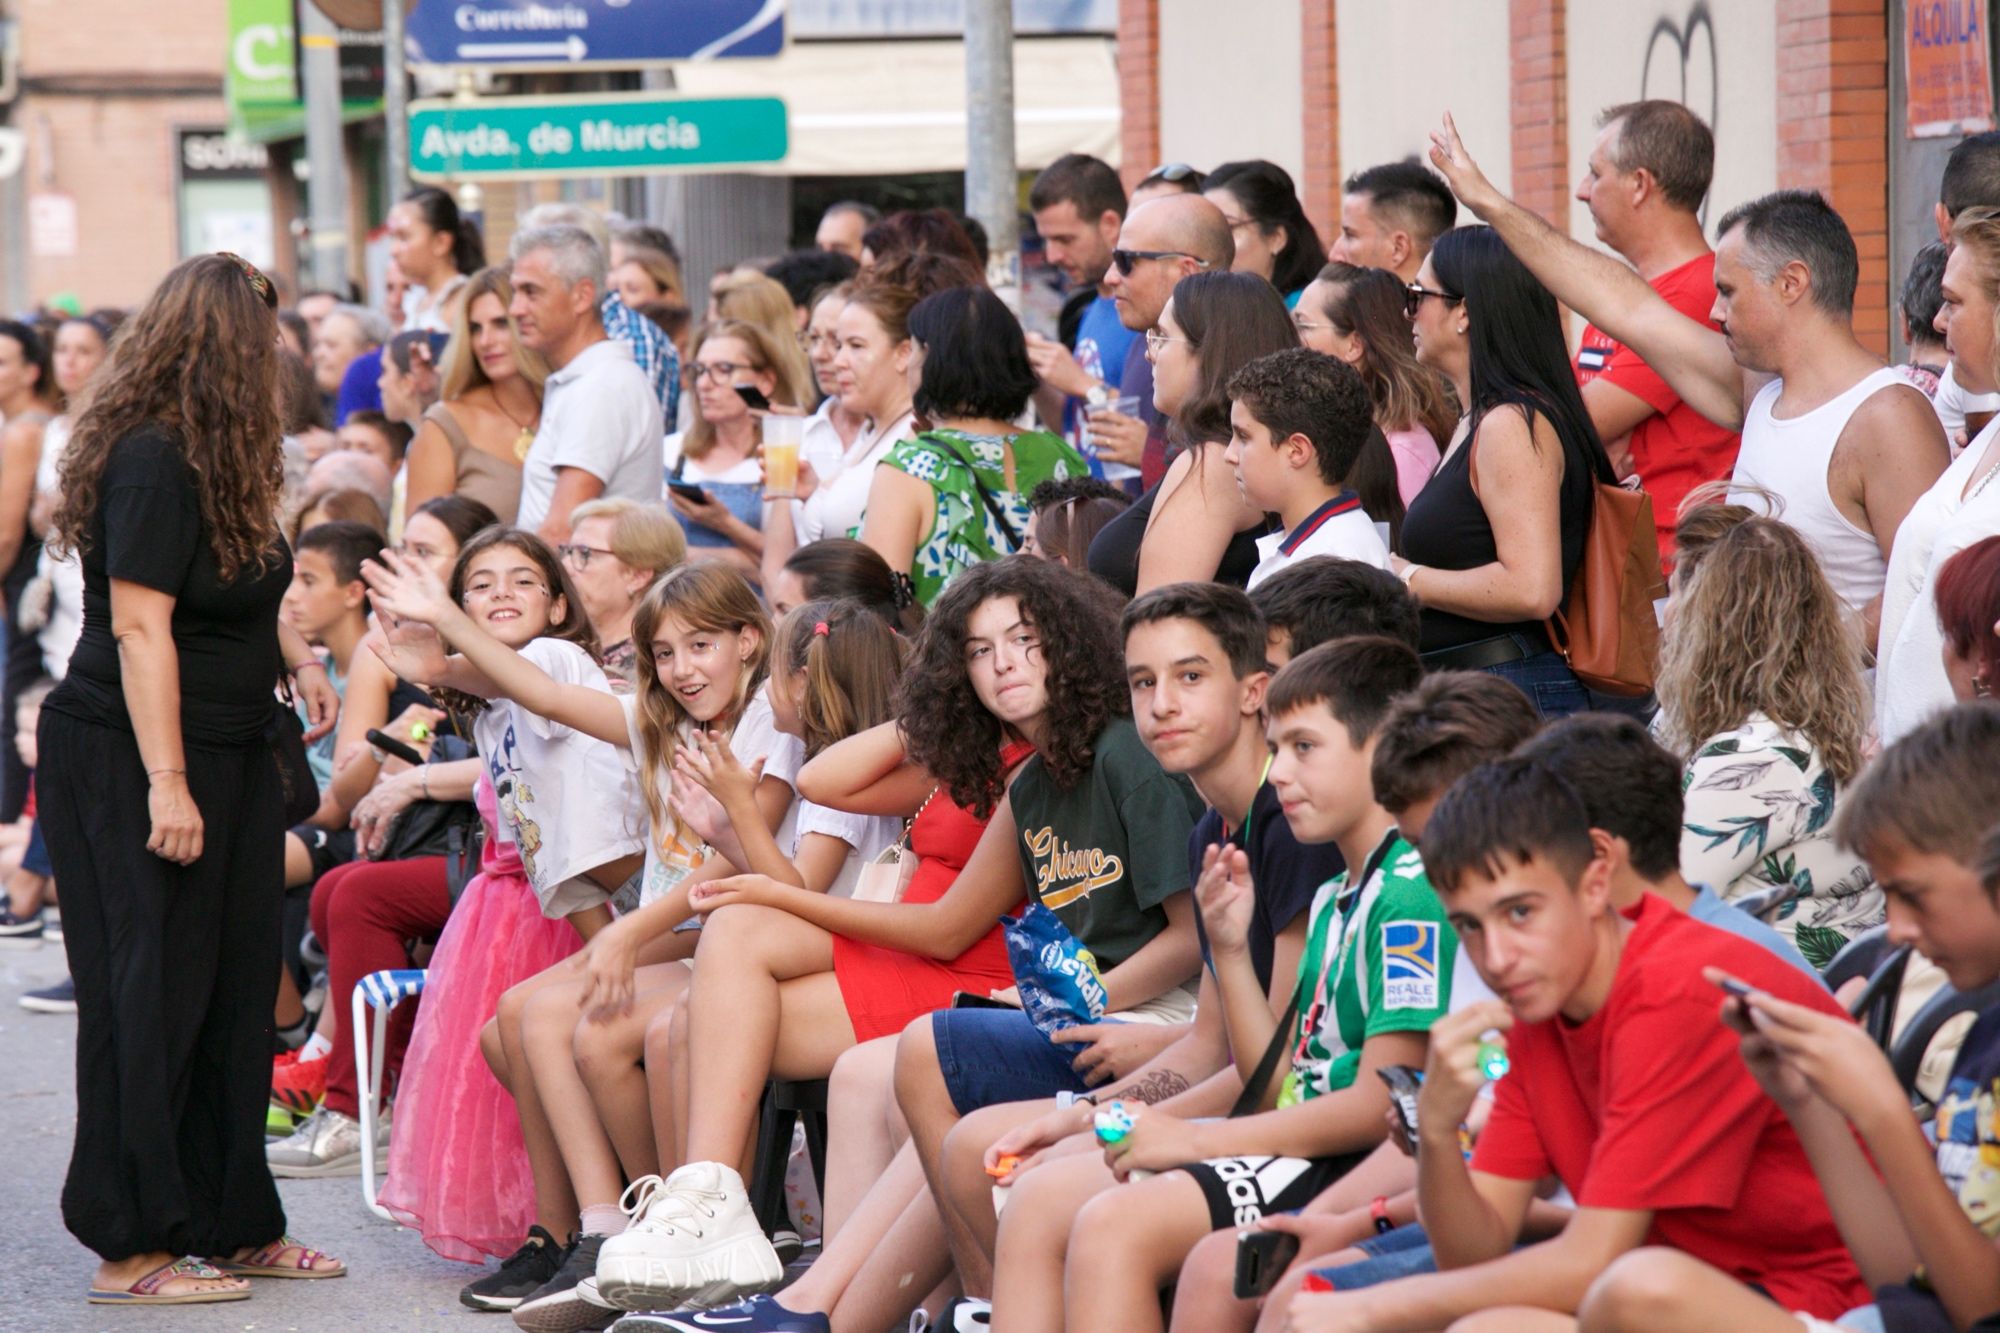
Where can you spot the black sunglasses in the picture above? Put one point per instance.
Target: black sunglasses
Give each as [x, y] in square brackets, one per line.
[1127, 260]
[1414, 294]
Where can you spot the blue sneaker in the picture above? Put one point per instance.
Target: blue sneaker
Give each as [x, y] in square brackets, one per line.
[758, 1314]
[21, 932]
[57, 999]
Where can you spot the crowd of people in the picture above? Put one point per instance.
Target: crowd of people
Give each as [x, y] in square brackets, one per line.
[1137, 781]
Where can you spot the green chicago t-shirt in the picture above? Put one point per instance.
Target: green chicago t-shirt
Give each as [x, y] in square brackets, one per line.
[1378, 959]
[1105, 854]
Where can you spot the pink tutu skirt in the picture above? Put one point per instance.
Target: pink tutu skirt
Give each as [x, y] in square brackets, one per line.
[458, 1170]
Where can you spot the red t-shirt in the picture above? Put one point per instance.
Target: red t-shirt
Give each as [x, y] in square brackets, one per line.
[1677, 448]
[1647, 1105]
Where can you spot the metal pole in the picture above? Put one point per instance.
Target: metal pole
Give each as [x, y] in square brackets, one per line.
[326, 158]
[395, 99]
[991, 185]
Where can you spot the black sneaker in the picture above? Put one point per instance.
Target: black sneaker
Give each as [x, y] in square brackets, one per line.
[568, 1302]
[57, 999]
[21, 932]
[526, 1269]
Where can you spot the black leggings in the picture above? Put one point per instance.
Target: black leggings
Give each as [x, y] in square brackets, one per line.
[175, 979]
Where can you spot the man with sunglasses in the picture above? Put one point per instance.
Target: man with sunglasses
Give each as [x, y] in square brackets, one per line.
[1161, 242]
[1078, 206]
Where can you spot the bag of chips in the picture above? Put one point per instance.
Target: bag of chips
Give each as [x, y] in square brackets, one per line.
[1056, 976]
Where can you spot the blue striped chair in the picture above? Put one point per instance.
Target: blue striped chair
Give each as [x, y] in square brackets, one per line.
[380, 991]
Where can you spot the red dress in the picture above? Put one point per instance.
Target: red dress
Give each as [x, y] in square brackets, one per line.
[886, 988]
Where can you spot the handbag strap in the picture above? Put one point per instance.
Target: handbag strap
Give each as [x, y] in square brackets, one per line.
[986, 496]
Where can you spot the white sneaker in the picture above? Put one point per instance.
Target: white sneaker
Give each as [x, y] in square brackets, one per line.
[326, 1143]
[694, 1242]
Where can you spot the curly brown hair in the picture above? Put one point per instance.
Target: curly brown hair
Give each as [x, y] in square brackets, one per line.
[200, 362]
[947, 729]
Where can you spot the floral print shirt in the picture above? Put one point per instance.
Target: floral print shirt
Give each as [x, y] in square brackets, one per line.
[1759, 814]
[964, 532]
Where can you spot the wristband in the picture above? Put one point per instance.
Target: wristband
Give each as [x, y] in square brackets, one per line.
[297, 667]
[1378, 1210]
[424, 770]
[151, 771]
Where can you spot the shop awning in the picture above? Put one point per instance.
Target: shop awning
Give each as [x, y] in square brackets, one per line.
[888, 108]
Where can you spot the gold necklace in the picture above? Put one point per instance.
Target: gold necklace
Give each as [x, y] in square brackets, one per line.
[526, 439]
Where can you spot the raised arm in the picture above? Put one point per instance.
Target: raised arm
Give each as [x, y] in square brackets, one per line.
[406, 589]
[1690, 356]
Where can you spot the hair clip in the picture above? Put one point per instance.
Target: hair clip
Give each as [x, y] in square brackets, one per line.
[820, 628]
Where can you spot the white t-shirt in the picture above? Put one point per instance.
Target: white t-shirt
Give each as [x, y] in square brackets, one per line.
[64, 625]
[599, 413]
[836, 507]
[867, 835]
[567, 803]
[1952, 404]
[672, 853]
[743, 472]
[1339, 527]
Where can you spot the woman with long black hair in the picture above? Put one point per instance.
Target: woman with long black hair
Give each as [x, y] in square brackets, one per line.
[437, 248]
[1493, 541]
[160, 799]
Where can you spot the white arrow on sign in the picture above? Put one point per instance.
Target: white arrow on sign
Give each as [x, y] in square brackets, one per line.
[13, 151]
[571, 48]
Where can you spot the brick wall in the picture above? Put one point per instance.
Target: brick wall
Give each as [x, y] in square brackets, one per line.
[1536, 38]
[1320, 91]
[1833, 131]
[1138, 88]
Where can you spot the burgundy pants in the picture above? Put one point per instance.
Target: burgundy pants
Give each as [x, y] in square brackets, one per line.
[364, 913]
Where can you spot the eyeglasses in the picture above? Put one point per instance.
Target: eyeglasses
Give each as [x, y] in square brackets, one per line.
[722, 371]
[1156, 341]
[1414, 294]
[579, 555]
[1127, 260]
[1304, 325]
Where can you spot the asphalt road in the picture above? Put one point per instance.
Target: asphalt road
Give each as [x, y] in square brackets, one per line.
[393, 1282]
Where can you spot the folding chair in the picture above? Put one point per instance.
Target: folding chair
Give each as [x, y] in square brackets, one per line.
[380, 991]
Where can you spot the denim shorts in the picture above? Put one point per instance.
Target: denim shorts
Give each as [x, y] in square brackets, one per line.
[35, 859]
[990, 1056]
[1402, 1252]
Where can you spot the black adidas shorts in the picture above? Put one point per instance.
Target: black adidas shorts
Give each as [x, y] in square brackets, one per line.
[1242, 1190]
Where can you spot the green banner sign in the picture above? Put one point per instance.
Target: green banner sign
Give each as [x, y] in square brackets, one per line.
[524, 137]
[260, 72]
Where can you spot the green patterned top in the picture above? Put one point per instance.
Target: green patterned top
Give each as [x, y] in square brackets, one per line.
[964, 532]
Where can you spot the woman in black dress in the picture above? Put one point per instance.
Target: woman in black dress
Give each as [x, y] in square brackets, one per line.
[160, 799]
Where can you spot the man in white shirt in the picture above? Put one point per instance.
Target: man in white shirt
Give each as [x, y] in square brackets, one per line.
[601, 426]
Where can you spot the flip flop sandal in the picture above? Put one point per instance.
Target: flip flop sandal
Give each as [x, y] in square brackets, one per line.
[264, 1262]
[146, 1291]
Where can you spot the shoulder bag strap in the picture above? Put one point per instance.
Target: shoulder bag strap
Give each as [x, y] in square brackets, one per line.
[1013, 538]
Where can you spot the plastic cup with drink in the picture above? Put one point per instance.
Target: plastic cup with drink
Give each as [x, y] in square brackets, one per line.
[782, 436]
[1125, 405]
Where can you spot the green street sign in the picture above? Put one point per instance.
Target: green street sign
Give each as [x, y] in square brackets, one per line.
[524, 137]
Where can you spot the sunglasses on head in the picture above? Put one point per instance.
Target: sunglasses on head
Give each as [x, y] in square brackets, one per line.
[1173, 173]
[1127, 260]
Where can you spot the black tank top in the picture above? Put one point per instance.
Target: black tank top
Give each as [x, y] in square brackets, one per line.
[1447, 528]
[1114, 552]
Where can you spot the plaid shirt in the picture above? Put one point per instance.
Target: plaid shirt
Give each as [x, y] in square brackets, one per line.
[650, 348]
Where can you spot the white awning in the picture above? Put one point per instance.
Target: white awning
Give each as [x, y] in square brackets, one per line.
[889, 108]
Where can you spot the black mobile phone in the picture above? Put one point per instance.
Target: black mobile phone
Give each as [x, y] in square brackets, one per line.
[389, 745]
[753, 397]
[1261, 1259]
[692, 494]
[1403, 1081]
[965, 999]
[1735, 985]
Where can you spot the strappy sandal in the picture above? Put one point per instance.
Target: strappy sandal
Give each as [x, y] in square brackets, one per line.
[264, 1262]
[146, 1291]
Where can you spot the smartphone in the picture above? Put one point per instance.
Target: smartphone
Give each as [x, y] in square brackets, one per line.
[1403, 1081]
[389, 745]
[1735, 986]
[753, 397]
[692, 494]
[965, 999]
[1261, 1259]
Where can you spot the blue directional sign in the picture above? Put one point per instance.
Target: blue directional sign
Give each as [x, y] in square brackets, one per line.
[537, 34]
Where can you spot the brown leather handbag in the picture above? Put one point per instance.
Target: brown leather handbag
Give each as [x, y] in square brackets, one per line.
[1607, 630]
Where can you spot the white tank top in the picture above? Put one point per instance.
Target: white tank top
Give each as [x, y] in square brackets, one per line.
[1790, 458]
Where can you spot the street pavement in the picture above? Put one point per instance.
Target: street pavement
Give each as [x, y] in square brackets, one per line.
[393, 1282]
